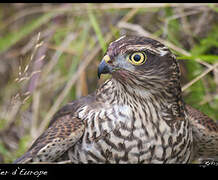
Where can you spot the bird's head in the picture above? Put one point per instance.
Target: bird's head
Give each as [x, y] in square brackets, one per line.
[140, 61]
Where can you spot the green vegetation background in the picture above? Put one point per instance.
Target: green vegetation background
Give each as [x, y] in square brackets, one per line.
[50, 53]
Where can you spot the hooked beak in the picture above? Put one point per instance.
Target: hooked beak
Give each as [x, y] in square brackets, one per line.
[104, 67]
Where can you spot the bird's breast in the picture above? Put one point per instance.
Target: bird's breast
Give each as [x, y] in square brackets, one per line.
[120, 135]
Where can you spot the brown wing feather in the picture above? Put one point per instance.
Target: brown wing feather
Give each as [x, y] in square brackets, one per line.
[57, 139]
[71, 107]
[205, 134]
[64, 130]
[202, 119]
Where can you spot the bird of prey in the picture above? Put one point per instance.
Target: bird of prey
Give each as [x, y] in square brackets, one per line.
[137, 116]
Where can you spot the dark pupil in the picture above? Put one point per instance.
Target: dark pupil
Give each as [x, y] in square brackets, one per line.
[137, 57]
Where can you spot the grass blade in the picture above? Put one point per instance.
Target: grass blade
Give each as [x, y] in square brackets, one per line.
[12, 38]
[95, 25]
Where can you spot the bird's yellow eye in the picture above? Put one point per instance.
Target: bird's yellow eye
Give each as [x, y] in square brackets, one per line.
[137, 58]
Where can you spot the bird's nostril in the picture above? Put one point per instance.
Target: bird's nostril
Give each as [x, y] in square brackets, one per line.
[110, 61]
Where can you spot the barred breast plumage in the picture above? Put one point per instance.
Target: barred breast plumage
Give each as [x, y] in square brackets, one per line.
[115, 133]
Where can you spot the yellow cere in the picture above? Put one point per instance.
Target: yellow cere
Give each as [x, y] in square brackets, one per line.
[107, 58]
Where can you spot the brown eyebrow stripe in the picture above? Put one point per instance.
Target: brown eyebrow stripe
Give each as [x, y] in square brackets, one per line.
[131, 48]
[128, 43]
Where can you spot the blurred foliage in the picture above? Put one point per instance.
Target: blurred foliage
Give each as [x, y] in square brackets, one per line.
[44, 47]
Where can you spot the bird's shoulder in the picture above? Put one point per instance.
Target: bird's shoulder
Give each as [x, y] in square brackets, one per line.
[63, 131]
[201, 120]
[65, 124]
[205, 134]
[73, 107]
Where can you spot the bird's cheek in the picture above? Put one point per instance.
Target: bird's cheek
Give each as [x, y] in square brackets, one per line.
[125, 66]
[121, 75]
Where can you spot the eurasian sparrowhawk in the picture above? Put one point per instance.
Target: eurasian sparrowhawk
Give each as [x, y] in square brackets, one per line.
[137, 116]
